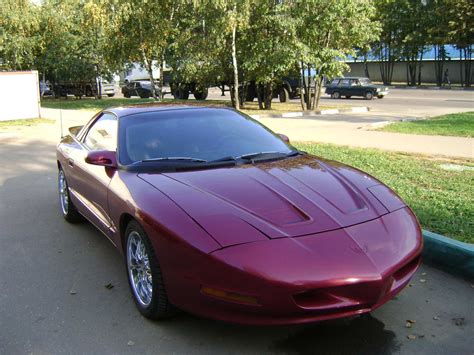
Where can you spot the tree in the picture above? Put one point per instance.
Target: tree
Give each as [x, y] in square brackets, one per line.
[329, 31]
[19, 34]
[269, 47]
[413, 35]
[460, 14]
[142, 31]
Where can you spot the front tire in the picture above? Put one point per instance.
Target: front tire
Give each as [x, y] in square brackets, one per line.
[144, 275]
[369, 95]
[284, 95]
[67, 208]
[381, 96]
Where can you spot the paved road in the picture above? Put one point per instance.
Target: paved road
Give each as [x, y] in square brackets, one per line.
[403, 102]
[53, 299]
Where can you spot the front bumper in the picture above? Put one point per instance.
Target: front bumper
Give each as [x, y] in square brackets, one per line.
[311, 278]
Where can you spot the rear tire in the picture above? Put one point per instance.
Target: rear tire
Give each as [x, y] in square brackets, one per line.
[67, 208]
[144, 274]
[145, 95]
[126, 95]
[380, 96]
[336, 95]
[348, 96]
[110, 95]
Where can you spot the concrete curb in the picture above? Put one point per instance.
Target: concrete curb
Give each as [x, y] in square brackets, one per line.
[314, 113]
[452, 255]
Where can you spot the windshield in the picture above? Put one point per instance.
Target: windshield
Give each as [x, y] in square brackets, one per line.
[202, 134]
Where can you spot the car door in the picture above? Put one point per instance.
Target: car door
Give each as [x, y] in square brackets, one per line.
[91, 181]
[355, 88]
[344, 87]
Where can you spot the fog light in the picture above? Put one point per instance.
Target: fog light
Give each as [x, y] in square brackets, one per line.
[229, 296]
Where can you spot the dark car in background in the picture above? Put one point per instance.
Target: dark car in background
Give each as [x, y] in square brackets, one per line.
[355, 86]
[140, 88]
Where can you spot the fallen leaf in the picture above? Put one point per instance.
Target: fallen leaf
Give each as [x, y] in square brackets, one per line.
[109, 286]
[411, 337]
[72, 292]
[458, 321]
[130, 343]
[421, 335]
[422, 280]
[408, 325]
[410, 285]
[411, 321]
[423, 273]
[436, 318]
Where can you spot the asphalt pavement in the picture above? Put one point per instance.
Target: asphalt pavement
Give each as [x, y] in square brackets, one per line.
[54, 299]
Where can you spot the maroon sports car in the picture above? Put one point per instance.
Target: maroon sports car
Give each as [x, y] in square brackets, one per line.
[218, 216]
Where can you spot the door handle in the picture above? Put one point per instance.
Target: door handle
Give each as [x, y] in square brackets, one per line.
[71, 163]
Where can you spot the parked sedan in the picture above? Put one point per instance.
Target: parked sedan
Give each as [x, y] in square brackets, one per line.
[138, 88]
[217, 215]
[349, 87]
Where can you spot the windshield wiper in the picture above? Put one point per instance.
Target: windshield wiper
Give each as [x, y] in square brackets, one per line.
[190, 159]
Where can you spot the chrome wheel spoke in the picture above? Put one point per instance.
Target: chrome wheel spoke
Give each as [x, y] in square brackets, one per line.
[139, 269]
[63, 192]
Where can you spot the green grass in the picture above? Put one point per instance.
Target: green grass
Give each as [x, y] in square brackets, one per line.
[442, 200]
[456, 124]
[25, 122]
[250, 108]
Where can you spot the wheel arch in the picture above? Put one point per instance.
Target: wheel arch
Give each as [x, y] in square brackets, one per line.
[124, 220]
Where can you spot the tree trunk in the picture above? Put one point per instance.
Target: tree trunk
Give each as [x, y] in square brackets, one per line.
[318, 98]
[162, 69]
[313, 97]
[420, 65]
[234, 64]
[439, 63]
[149, 67]
[302, 88]
[268, 95]
[468, 65]
[308, 87]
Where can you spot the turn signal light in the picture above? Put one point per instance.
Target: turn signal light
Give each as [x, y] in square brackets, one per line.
[229, 296]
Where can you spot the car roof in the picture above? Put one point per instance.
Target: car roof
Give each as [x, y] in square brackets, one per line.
[351, 77]
[127, 110]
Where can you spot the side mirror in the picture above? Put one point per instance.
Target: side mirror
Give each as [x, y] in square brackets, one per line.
[283, 138]
[103, 158]
[75, 130]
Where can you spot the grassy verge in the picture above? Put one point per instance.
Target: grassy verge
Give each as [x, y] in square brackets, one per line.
[26, 122]
[442, 200]
[250, 108]
[456, 124]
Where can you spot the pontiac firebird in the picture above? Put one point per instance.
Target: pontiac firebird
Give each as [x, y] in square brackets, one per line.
[218, 216]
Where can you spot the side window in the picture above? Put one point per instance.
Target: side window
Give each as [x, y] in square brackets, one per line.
[354, 82]
[103, 134]
[344, 82]
[335, 82]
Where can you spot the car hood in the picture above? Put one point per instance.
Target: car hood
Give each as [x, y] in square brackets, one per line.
[287, 198]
